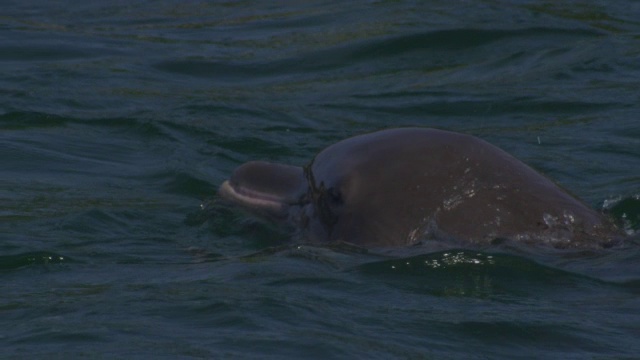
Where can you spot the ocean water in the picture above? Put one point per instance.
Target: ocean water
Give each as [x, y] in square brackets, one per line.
[119, 120]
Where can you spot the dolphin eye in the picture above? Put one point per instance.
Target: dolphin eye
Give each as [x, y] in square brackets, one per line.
[335, 196]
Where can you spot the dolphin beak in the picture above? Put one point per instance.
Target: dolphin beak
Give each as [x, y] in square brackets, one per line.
[265, 188]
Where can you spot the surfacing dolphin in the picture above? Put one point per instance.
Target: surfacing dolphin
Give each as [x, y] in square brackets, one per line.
[405, 186]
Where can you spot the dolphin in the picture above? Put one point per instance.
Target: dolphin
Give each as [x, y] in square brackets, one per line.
[401, 187]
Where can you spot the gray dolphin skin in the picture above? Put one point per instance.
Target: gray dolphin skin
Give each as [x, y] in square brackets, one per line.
[405, 186]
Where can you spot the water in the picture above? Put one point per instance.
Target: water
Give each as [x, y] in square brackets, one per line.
[119, 119]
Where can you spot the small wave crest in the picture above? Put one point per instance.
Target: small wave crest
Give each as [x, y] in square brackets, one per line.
[625, 210]
[11, 262]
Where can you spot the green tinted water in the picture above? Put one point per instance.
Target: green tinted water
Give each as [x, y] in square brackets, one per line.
[117, 121]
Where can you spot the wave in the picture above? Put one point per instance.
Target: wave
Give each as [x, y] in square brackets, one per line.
[12, 262]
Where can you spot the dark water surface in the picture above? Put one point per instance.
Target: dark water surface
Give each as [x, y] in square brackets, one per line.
[118, 119]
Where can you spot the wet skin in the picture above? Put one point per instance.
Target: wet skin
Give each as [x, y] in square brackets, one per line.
[399, 187]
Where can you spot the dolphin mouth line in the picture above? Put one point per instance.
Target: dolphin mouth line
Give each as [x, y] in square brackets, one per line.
[253, 199]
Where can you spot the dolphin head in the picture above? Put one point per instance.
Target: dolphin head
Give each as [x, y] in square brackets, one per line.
[401, 186]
